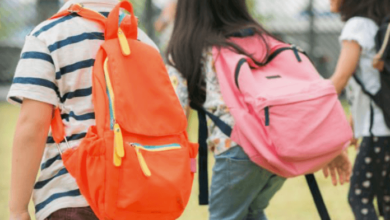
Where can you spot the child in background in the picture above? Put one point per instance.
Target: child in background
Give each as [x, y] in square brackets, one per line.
[164, 24]
[371, 172]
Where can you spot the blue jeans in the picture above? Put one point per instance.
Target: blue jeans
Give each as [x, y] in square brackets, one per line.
[240, 190]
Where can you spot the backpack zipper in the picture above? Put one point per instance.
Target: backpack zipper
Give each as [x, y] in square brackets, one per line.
[119, 150]
[237, 71]
[266, 112]
[141, 160]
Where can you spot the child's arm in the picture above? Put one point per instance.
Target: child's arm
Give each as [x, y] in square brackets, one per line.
[346, 67]
[354, 141]
[167, 16]
[347, 64]
[29, 143]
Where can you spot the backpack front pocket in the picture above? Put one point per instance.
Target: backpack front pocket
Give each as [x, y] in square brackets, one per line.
[306, 129]
[139, 148]
[155, 178]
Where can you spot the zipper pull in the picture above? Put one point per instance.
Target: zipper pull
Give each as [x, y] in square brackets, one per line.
[117, 160]
[144, 167]
[266, 112]
[296, 52]
[124, 43]
[118, 141]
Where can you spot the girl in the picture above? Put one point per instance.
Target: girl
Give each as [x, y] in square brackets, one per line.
[371, 173]
[240, 189]
[199, 25]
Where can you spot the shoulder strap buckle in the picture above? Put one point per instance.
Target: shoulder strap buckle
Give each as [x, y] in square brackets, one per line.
[75, 8]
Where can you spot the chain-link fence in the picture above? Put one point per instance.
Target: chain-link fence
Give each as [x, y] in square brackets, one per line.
[306, 23]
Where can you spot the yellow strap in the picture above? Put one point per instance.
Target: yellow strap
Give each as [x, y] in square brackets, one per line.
[117, 160]
[119, 150]
[118, 141]
[109, 87]
[144, 167]
[124, 43]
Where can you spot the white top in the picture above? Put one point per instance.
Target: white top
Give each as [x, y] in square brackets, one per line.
[56, 68]
[363, 31]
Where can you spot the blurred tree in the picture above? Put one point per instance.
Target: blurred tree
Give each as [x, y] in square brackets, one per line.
[252, 5]
[46, 9]
[138, 5]
[147, 13]
[7, 21]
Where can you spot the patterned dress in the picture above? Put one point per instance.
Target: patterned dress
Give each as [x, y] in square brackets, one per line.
[217, 141]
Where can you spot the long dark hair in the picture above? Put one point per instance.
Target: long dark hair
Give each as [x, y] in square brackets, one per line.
[376, 10]
[200, 24]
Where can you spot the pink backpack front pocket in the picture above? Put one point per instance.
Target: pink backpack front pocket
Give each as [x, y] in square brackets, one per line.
[297, 129]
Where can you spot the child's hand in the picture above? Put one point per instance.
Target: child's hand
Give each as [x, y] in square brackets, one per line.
[355, 142]
[20, 216]
[342, 166]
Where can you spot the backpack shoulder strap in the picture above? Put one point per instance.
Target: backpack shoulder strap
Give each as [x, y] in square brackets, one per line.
[360, 83]
[128, 27]
[378, 61]
[203, 159]
[318, 200]
[385, 42]
[203, 150]
[83, 12]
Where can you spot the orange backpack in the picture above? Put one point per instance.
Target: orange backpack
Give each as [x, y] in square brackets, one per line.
[137, 162]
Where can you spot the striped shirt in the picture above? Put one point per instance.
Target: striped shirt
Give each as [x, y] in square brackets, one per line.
[55, 67]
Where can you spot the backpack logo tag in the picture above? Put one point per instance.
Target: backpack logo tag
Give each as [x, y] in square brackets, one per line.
[273, 77]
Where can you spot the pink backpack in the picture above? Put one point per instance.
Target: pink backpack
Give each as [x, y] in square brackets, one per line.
[288, 119]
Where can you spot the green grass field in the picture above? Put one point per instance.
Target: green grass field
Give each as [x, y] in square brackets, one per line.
[293, 202]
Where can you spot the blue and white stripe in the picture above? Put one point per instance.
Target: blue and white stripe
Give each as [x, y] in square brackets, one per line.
[55, 67]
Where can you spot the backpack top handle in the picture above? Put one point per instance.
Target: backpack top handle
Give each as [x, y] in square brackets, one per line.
[113, 21]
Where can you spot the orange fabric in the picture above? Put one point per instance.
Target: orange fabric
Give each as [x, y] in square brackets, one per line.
[139, 104]
[127, 28]
[83, 12]
[148, 113]
[131, 31]
[113, 21]
[57, 127]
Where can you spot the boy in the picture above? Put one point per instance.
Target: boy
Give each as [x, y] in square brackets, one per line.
[54, 70]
